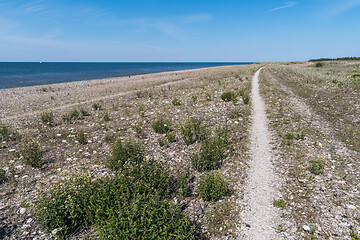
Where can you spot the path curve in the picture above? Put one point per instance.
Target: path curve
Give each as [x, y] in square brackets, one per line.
[259, 216]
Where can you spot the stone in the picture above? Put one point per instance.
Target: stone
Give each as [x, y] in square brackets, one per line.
[306, 228]
[22, 210]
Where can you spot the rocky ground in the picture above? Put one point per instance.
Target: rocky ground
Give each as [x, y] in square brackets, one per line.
[128, 108]
[313, 115]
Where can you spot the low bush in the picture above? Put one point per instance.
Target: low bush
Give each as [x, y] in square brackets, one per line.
[170, 136]
[132, 205]
[208, 97]
[162, 142]
[2, 175]
[83, 112]
[211, 152]
[32, 154]
[319, 64]
[81, 138]
[279, 203]
[125, 154]
[192, 131]
[184, 177]
[316, 167]
[213, 186]
[176, 102]
[106, 117]
[70, 116]
[7, 133]
[194, 98]
[141, 111]
[228, 96]
[47, 118]
[246, 99]
[161, 125]
[96, 106]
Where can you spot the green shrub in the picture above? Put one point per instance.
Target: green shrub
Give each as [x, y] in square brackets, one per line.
[183, 182]
[194, 98]
[2, 175]
[132, 205]
[319, 64]
[7, 133]
[141, 111]
[96, 106]
[213, 186]
[170, 136]
[176, 102]
[123, 154]
[192, 131]
[208, 97]
[70, 116]
[316, 167]
[162, 142]
[83, 112]
[228, 96]
[279, 203]
[47, 118]
[289, 136]
[161, 125]
[106, 117]
[82, 138]
[32, 154]
[246, 99]
[211, 152]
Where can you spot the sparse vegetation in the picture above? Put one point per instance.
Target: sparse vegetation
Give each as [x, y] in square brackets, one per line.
[7, 133]
[228, 96]
[316, 167]
[213, 187]
[82, 139]
[2, 175]
[32, 154]
[279, 203]
[161, 125]
[170, 136]
[96, 106]
[47, 118]
[176, 102]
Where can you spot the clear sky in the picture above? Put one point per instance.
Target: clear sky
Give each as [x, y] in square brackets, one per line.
[178, 30]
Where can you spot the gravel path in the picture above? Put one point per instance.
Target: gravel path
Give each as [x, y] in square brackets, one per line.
[259, 216]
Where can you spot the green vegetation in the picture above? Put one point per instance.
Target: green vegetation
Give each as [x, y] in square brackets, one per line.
[316, 167]
[183, 180]
[279, 203]
[125, 154]
[162, 142]
[212, 187]
[96, 106]
[336, 59]
[82, 138]
[141, 111]
[83, 112]
[70, 116]
[176, 102]
[161, 125]
[32, 154]
[319, 64]
[7, 133]
[170, 136]
[192, 131]
[2, 175]
[106, 117]
[134, 204]
[211, 152]
[47, 118]
[228, 96]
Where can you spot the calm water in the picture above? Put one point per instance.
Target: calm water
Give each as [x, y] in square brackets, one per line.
[30, 74]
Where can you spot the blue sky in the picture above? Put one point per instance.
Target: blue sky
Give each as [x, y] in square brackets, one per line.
[172, 30]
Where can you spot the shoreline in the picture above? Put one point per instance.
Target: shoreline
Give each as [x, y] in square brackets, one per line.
[85, 77]
[19, 102]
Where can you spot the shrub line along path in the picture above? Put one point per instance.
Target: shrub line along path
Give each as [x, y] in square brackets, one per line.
[259, 216]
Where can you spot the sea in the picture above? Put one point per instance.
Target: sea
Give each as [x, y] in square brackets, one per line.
[22, 74]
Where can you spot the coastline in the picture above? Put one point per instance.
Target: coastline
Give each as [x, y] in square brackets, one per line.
[26, 101]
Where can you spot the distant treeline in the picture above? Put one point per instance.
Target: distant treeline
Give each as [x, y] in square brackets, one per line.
[335, 59]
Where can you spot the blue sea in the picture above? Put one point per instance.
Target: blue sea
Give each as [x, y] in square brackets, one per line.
[17, 74]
